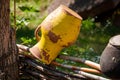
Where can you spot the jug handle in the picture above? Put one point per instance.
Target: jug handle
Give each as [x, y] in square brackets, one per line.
[36, 33]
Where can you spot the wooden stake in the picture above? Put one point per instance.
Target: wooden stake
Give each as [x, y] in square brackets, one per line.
[76, 68]
[92, 76]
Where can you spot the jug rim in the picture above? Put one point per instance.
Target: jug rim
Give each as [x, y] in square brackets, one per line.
[70, 11]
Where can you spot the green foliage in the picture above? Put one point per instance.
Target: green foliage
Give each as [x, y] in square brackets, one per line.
[28, 41]
[28, 17]
[28, 9]
[88, 24]
[30, 13]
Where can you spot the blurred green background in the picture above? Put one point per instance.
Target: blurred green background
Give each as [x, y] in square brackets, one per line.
[91, 41]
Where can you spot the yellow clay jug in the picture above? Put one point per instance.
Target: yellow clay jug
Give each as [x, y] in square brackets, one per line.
[59, 30]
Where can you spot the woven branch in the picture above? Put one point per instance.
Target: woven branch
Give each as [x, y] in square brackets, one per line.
[46, 70]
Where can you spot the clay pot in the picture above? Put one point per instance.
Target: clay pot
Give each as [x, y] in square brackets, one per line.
[110, 58]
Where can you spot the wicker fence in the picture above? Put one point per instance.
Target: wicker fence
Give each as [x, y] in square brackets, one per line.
[31, 68]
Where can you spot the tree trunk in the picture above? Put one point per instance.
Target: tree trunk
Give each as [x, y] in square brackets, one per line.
[8, 49]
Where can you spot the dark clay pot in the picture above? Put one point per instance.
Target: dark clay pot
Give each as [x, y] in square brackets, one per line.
[110, 58]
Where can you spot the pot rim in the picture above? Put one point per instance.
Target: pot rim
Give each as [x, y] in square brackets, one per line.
[115, 41]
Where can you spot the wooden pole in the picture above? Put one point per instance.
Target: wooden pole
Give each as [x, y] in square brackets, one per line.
[89, 70]
[92, 76]
[87, 62]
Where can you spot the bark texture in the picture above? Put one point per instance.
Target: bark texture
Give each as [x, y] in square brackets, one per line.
[8, 49]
